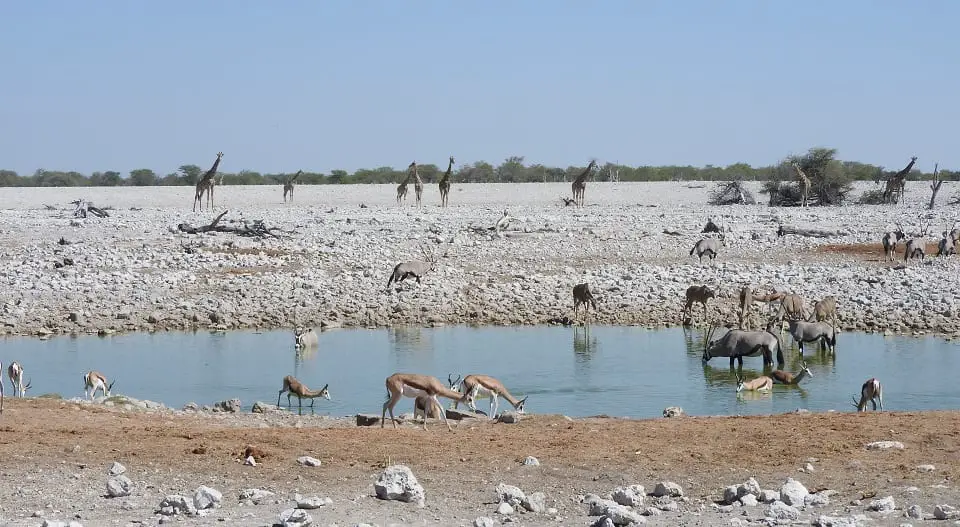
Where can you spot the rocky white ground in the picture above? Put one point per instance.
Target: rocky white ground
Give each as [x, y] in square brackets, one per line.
[134, 271]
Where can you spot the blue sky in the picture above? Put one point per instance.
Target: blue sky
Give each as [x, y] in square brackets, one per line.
[321, 85]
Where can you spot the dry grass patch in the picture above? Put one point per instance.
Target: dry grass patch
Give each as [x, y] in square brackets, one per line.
[267, 251]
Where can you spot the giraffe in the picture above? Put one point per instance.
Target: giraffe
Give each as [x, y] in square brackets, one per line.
[417, 183]
[804, 184]
[580, 184]
[893, 192]
[205, 185]
[445, 184]
[288, 185]
[402, 187]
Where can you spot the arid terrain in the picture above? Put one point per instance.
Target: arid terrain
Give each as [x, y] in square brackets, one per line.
[56, 456]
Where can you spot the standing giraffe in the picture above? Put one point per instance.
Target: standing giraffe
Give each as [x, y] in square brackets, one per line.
[288, 186]
[417, 182]
[402, 187]
[445, 184]
[580, 184]
[893, 192]
[205, 185]
[804, 184]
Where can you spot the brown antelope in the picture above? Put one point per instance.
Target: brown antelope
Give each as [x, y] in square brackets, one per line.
[791, 307]
[748, 297]
[400, 385]
[870, 391]
[824, 309]
[697, 293]
[760, 384]
[583, 296]
[96, 381]
[294, 387]
[890, 240]
[15, 372]
[474, 385]
[785, 377]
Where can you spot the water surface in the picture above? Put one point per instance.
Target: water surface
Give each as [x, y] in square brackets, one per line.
[618, 371]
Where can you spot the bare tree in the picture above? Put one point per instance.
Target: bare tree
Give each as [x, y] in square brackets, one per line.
[935, 185]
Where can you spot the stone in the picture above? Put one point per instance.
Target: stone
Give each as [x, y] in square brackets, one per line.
[631, 496]
[885, 445]
[816, 500]
[367, 420]
[504, 508]
[308, 461]
[536, 502]
[116, 469]
[781, 511]
[768, 496]
[230, 405]
[882, 505]
[255, 496]
[926, 468]
[673, 411]
[397, 482]
[313, 502]
[174, 504]
[792, 492]
[510, 494]
[749, 501]
[484, 521]
[603, 522]
[119, 486]
[621, 515]
[946, 512]
[531, 461]
[206, 498]
[668, 488]
[261, 407]
[295, 518]
[915, 512]
[835, 521]
[509, 418]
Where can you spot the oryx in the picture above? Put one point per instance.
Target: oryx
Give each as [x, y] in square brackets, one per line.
[738, 343]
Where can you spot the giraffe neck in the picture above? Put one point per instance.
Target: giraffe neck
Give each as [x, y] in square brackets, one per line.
[446, 175]
[907, 169]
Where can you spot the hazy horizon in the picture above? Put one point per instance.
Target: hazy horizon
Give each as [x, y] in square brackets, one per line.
[343, 85]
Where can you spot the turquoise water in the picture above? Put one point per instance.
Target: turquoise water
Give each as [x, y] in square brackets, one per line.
[618, 371]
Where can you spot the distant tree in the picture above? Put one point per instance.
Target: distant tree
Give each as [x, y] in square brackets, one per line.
[143, 177]
[189, 174]
[829, 184]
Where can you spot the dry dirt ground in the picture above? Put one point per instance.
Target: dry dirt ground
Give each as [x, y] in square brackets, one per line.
[55, 457]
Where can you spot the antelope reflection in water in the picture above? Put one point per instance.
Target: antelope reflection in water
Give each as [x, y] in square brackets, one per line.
[583, 344]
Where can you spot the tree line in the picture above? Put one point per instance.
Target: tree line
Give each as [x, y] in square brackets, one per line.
[511, 170]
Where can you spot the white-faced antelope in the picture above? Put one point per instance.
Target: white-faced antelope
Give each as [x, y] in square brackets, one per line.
[915, 246]
[819, 332]
[890, 240]
[475, 385]
[293, 387]
[870, 391]
[15, 373]
[400, 385]
[709, 247]
[785, 377]
[760, 384]
[737, 344]
[414, 268]
[305, 338]
[96, 381]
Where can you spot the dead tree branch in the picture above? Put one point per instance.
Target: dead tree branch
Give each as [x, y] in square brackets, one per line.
[935, 185]
[809, 233]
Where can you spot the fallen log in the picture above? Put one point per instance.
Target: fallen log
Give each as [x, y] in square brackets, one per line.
[256, 229]
[809, 233]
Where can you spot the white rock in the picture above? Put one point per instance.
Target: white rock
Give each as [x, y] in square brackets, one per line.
[510, 494]
[313, 502]
[206, 498]
[816, 500]
[792, 492]
[769, 496]
[531, 461]
[926, 468]
[119, 486]
[631, 496]
[255, 496]
[621, 515]
[504, 508]
[781, 511]
[484, 521]
[835, 521]
[535, 502]
[397, 482]
[749, 501]
[176, 504]
[116, 469]
[308, 461]
[915, 512]
[668, 488]
[250, 461]
[295, 518]
[882, 505]
[885, 445]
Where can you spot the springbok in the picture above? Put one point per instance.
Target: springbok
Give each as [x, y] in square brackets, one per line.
[96, 381]
[305, 338]
[420, 405]
[760, 384]
[400, 385]
[739, 343]
[474, 385]
[785, 377]
[15, 372]
[870, 391]
[294, 387]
